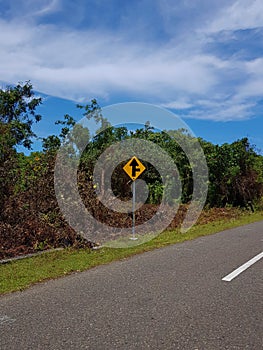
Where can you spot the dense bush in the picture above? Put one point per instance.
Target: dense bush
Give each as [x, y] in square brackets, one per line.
[30, 218]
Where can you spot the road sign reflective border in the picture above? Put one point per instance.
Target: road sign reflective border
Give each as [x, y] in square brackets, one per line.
[134, 168]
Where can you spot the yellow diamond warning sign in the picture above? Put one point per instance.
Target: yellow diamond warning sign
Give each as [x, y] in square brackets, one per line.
[134, 168]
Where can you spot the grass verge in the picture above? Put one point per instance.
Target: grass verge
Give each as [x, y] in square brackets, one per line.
[20, 274]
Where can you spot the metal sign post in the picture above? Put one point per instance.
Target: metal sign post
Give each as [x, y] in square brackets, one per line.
[133, 211]
[133, 168]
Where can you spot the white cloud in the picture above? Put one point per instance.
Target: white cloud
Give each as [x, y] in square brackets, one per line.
[178, 104]
[28, 9]
[49, 7]
[253, 86]
[230, 109]
[242, 14]
[255, 66]
[181, 73]
[74, 64]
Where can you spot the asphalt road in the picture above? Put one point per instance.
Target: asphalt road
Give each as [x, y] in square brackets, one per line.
[171, 298]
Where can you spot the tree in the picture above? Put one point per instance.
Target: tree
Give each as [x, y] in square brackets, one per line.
[235, 175]
[17, 114]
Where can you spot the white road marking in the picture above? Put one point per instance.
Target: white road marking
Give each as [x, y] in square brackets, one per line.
[242, 268]
[6, 319]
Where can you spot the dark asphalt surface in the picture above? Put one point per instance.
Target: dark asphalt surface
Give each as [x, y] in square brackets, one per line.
[171, 298]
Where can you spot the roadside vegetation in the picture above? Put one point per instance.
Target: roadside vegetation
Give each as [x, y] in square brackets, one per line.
[30, 218]
[21, 274]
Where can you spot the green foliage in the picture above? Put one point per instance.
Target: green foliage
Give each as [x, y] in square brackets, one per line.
[51, 143]
[235, 173]
[26, 182]
[17, 114]
[29, 170]
[235, 170]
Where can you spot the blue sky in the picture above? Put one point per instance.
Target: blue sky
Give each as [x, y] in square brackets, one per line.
[201, 59]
